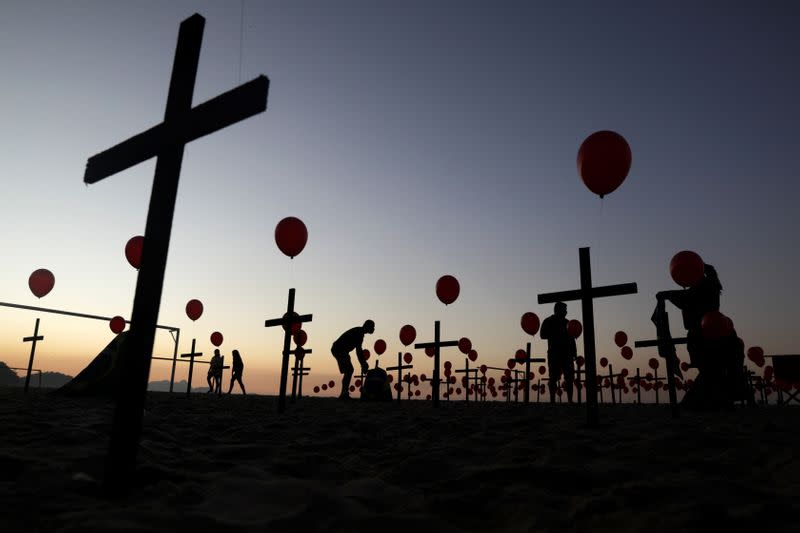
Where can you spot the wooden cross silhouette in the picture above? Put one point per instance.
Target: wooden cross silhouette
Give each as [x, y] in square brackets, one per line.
[400, 367]
[33, 339]
[610, 377]
[298, 371]
[437, 344]
[182, 124]
[467, 371]
[528, 360]
[586, 294]
[287, 321]
[191, 357]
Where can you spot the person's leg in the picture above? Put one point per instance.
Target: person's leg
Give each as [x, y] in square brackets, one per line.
[569, 378]
[554, 372]
[346, 368]
[241, 384]
[210, 384]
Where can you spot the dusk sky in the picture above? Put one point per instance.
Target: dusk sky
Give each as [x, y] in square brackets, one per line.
[414, 139]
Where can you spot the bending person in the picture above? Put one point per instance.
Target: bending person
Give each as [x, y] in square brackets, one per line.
[350, 340]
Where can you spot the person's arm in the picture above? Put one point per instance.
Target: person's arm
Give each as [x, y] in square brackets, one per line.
[677, 298]
[544, 333]
[360, 356]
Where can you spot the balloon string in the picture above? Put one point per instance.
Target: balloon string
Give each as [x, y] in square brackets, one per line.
[241, 41]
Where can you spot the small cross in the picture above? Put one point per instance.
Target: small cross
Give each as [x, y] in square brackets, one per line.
[437, 344]
[36, 337]
[191, 357]
[400, 367]
[467, 371]
[165, 141]
[298, 371]
[586, 294]
[287, 321]
[528, 360]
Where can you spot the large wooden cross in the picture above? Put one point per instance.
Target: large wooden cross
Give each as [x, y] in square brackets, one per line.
[182, 124]
[437, 344]
[191, 357]
[287, 321]
[586, 294]
[33, 340]
[400, 367]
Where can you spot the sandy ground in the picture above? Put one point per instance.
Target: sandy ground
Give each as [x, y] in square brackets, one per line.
[233, 464]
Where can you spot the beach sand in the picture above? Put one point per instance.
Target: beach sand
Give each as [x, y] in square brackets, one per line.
[232, 463]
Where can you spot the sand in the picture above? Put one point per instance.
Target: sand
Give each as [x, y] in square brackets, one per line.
[232, 464]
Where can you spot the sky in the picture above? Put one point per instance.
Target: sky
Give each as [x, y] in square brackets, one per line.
[414, 139]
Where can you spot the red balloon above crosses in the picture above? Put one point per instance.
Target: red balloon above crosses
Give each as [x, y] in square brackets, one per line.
[133, 251]
[194, 309]
[447, 289]
[530, 323]
[291, 236]
[407, 334]
[117, 324]
[686, 268]
[41, 282]
[604, 160]
[216, 338]
[574, 329]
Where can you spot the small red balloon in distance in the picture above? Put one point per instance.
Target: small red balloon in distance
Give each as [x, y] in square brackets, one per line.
[117, 324]
[483, 369]
[511, 363]
[715, 325]
[428, 397]
[686, 268]
[366, 355]
[653, 363]
[530, 323]
[407, 358]
[357, 383]
[316, 389]
[300, 338]
[521, 355]
[429, 351]
[324, 386]
[473, 355]
[407, 334]
[604, 160]
[756, 355]
[620, 338]
[423, 377]
[684, 367]
[352, 388]
[133, 251]
[448, 364]
[416, 392]
[291, 236]
[626, 352]
[295, 326]
[41, 282]
[542, 370]
[464, 345]
[574, 329]
[216, 338]
[447, 289]
[331, 384]
[603, 362]
[194, 309]
[580, 360]
[380, 346]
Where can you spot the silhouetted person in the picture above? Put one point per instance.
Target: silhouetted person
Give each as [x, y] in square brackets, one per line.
[561, 350]
[237, 368]
[214, 371]
[350, 340]
[714, 359]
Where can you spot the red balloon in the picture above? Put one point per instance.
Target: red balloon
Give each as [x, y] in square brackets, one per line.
[407, 358]
[331, 384]
[653, 363]
[407, 334]
[324, 386]
[603, 362]
[686, 268]
[352, 388]
[216, 338]
[530, 323]
[473, 355]
[626, 352]
[620, 338]
[447, 289]
[715, 325]
[357, 383]
[542, 370]
[194, 309]
[295, 326]
[380, 346]
[366, 354]
[574, 329]
[117, 324]
[483, 369]
[624, 372]
[511, 363]
[448, 364]
[580, 360]
[316, 389]
[430, 351]
[604, 160]
[423, 377]
[291, 236]
[41, 282]
[521, 355]
[300, 337]
[684, 367]
[133, 251]
[465, 345]
[756, 355]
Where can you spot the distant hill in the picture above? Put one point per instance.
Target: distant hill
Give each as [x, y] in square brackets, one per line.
[50, 380]
[180, 386]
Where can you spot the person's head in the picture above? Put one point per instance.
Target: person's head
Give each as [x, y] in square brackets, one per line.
[560, 309]
[711, 275]
[369, 326]
[216, 351]
[235, 353]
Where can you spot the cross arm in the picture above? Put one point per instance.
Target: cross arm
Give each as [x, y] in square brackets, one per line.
[442, 344]
[34, 338]
[596, 292]
[403, 367]
[287, 321]
[199, 354]
[662, 342]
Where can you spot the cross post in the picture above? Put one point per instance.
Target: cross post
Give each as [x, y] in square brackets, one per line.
[191, 355]
[437, 345]
[528, 360]
[298, 371]
[287, 321]
[586, 294]
[33, 339]
[467, 371]
[400, 367]
[166, 141]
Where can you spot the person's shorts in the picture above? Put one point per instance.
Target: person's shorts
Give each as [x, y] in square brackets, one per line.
[344, 362]
[560, 365]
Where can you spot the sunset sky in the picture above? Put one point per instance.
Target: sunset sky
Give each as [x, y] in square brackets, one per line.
[414, 139]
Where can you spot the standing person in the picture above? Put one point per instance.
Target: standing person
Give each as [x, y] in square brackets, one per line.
[561, 350]
[236, 371]
[214, 371]
[350, 340]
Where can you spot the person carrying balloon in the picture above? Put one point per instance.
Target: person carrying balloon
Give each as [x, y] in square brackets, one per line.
[561, 350]
[237, 368]
[350, 340]
[214, 377]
